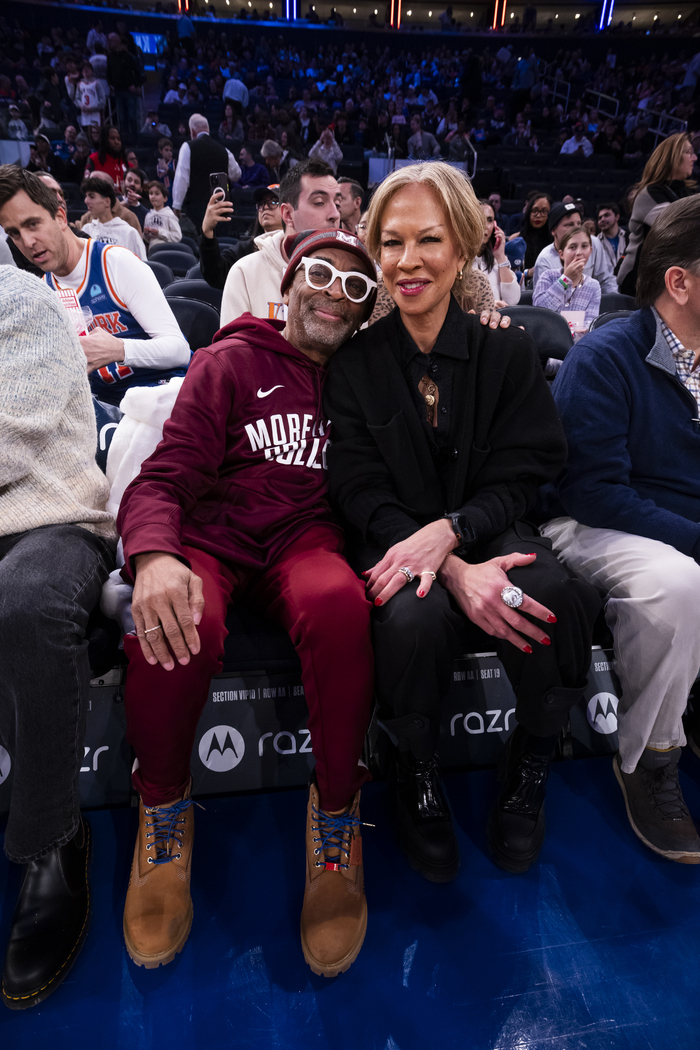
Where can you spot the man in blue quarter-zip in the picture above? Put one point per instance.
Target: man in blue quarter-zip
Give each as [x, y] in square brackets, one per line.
[135, 339]
[626, 515]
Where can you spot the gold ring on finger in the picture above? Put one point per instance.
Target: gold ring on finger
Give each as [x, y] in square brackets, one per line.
[429, 572]
[156, 628]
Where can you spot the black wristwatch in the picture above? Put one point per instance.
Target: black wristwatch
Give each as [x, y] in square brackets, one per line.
[463, 530]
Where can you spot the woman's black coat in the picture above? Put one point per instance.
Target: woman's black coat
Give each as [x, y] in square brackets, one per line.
[507, 441]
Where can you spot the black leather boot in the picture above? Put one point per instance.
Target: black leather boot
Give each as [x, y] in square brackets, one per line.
[49, 923]
[423, 821]
[516, 823]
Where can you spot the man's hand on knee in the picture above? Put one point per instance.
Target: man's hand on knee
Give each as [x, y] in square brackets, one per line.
[167, 607]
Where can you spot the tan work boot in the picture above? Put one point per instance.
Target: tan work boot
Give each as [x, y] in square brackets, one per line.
[158, 909]
[334, 916]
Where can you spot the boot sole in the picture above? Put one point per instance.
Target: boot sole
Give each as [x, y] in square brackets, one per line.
[152, 962]
[432, 873]
[25, 1002]
[506, 861]
[679, 856]
[333, 970]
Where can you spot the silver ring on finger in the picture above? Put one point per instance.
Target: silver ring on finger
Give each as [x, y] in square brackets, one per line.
[512, 597]
[429, 572]
[156, 628]
[407, 573]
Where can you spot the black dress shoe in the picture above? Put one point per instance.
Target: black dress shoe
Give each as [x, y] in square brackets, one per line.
[49, 923]
[423, 822]
[516, 823]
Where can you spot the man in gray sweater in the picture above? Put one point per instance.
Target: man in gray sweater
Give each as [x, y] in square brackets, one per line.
[56, 541]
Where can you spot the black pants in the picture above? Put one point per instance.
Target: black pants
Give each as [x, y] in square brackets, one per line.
[416, 641]
[50, 581]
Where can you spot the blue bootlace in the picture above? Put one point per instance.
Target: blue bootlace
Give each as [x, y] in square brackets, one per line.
[165, 827]
[335, 832]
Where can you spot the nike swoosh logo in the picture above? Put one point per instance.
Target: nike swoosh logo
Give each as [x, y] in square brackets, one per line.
[266, 393]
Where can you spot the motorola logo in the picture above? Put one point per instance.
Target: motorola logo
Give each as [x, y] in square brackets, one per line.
[221, 748]
[602, 713]
[5, 764]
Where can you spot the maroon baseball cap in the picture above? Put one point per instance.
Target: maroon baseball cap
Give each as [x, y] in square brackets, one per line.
[298, 245]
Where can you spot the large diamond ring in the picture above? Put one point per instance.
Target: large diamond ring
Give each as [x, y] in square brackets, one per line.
[407, 572]
[512, 596]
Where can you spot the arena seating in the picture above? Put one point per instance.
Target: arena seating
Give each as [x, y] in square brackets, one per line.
[164, 274]
[612, 315]
[549, 331]
[198, 290]
[180, 262]
[199, 322]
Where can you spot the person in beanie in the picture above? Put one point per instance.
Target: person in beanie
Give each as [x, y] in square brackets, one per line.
[256, 476]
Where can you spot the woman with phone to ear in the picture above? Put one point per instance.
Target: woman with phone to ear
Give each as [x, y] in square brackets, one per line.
[493, 261]
[443, 431]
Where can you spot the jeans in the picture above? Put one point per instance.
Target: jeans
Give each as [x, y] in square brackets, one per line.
[416, 641]
[50, 581]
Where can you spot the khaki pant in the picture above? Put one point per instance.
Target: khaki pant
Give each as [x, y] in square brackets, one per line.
[653, 610]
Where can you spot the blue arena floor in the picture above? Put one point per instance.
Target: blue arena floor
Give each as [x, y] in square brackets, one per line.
[597, 946]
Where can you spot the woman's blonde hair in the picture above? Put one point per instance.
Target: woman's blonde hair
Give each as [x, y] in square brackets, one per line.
[465, 218]
[664, 161]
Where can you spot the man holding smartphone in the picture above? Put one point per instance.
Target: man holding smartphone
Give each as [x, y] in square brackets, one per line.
[196, 161]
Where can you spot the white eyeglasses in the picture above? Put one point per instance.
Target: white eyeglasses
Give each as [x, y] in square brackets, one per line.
[320, 274]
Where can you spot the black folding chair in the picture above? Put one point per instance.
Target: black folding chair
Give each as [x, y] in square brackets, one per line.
[610, 301]
[199, 322]
[199, 291]
[164, 275]
[179, 262]
[548, 330]
[611, 315]
[171, 246]
[191, 243]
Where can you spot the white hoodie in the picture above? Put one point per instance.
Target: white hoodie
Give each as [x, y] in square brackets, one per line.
[167, 223]
[253, 283]
[116, 231]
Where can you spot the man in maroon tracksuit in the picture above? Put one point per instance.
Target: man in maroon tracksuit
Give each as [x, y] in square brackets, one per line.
[232, 502]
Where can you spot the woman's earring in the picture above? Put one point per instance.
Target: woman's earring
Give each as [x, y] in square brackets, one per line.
[460, 274]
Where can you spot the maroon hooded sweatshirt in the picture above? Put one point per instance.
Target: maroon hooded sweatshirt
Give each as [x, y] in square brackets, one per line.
[241, 470]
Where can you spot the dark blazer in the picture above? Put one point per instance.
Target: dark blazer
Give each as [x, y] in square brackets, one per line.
[508, 442]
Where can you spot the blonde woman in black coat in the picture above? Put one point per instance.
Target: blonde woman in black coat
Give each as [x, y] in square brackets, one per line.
[443, 430]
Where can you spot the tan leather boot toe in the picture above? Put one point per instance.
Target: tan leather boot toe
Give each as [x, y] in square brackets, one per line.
[158, 909]
[334, 915]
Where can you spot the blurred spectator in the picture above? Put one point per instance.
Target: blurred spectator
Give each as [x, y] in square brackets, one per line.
[66, 147]
[125, 78]
[327, 150]
[273, 155]
[165, 169]
[492, 261]
[231, 130]
[667, 176]
[176, 95]
[236, 92]
[160, 225]
[349, 203]
[421, 144]
[96, 36]
[252, 174]
[638, 145]
[519, 138]
[562, 219]
[578, 145]
[89, 97]
[153, 126]
[570, 290]
[104, 226]
[134, 184]
[110, 157]
[16, 128]
[196, 161]
[42, 159]
[611, 234]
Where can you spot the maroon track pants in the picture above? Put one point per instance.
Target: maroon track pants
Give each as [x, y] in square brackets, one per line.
[313, 593]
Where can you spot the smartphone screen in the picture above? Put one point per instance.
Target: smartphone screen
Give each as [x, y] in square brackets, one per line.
[218, 184]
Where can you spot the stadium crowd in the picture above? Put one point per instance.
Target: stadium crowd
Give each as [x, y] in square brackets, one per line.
[469, 487]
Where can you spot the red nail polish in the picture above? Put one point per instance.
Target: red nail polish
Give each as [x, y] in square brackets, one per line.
[378, 601]
[552, 618]
[421, 594]
[531, 555]
[546, 641]
[527, 649]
